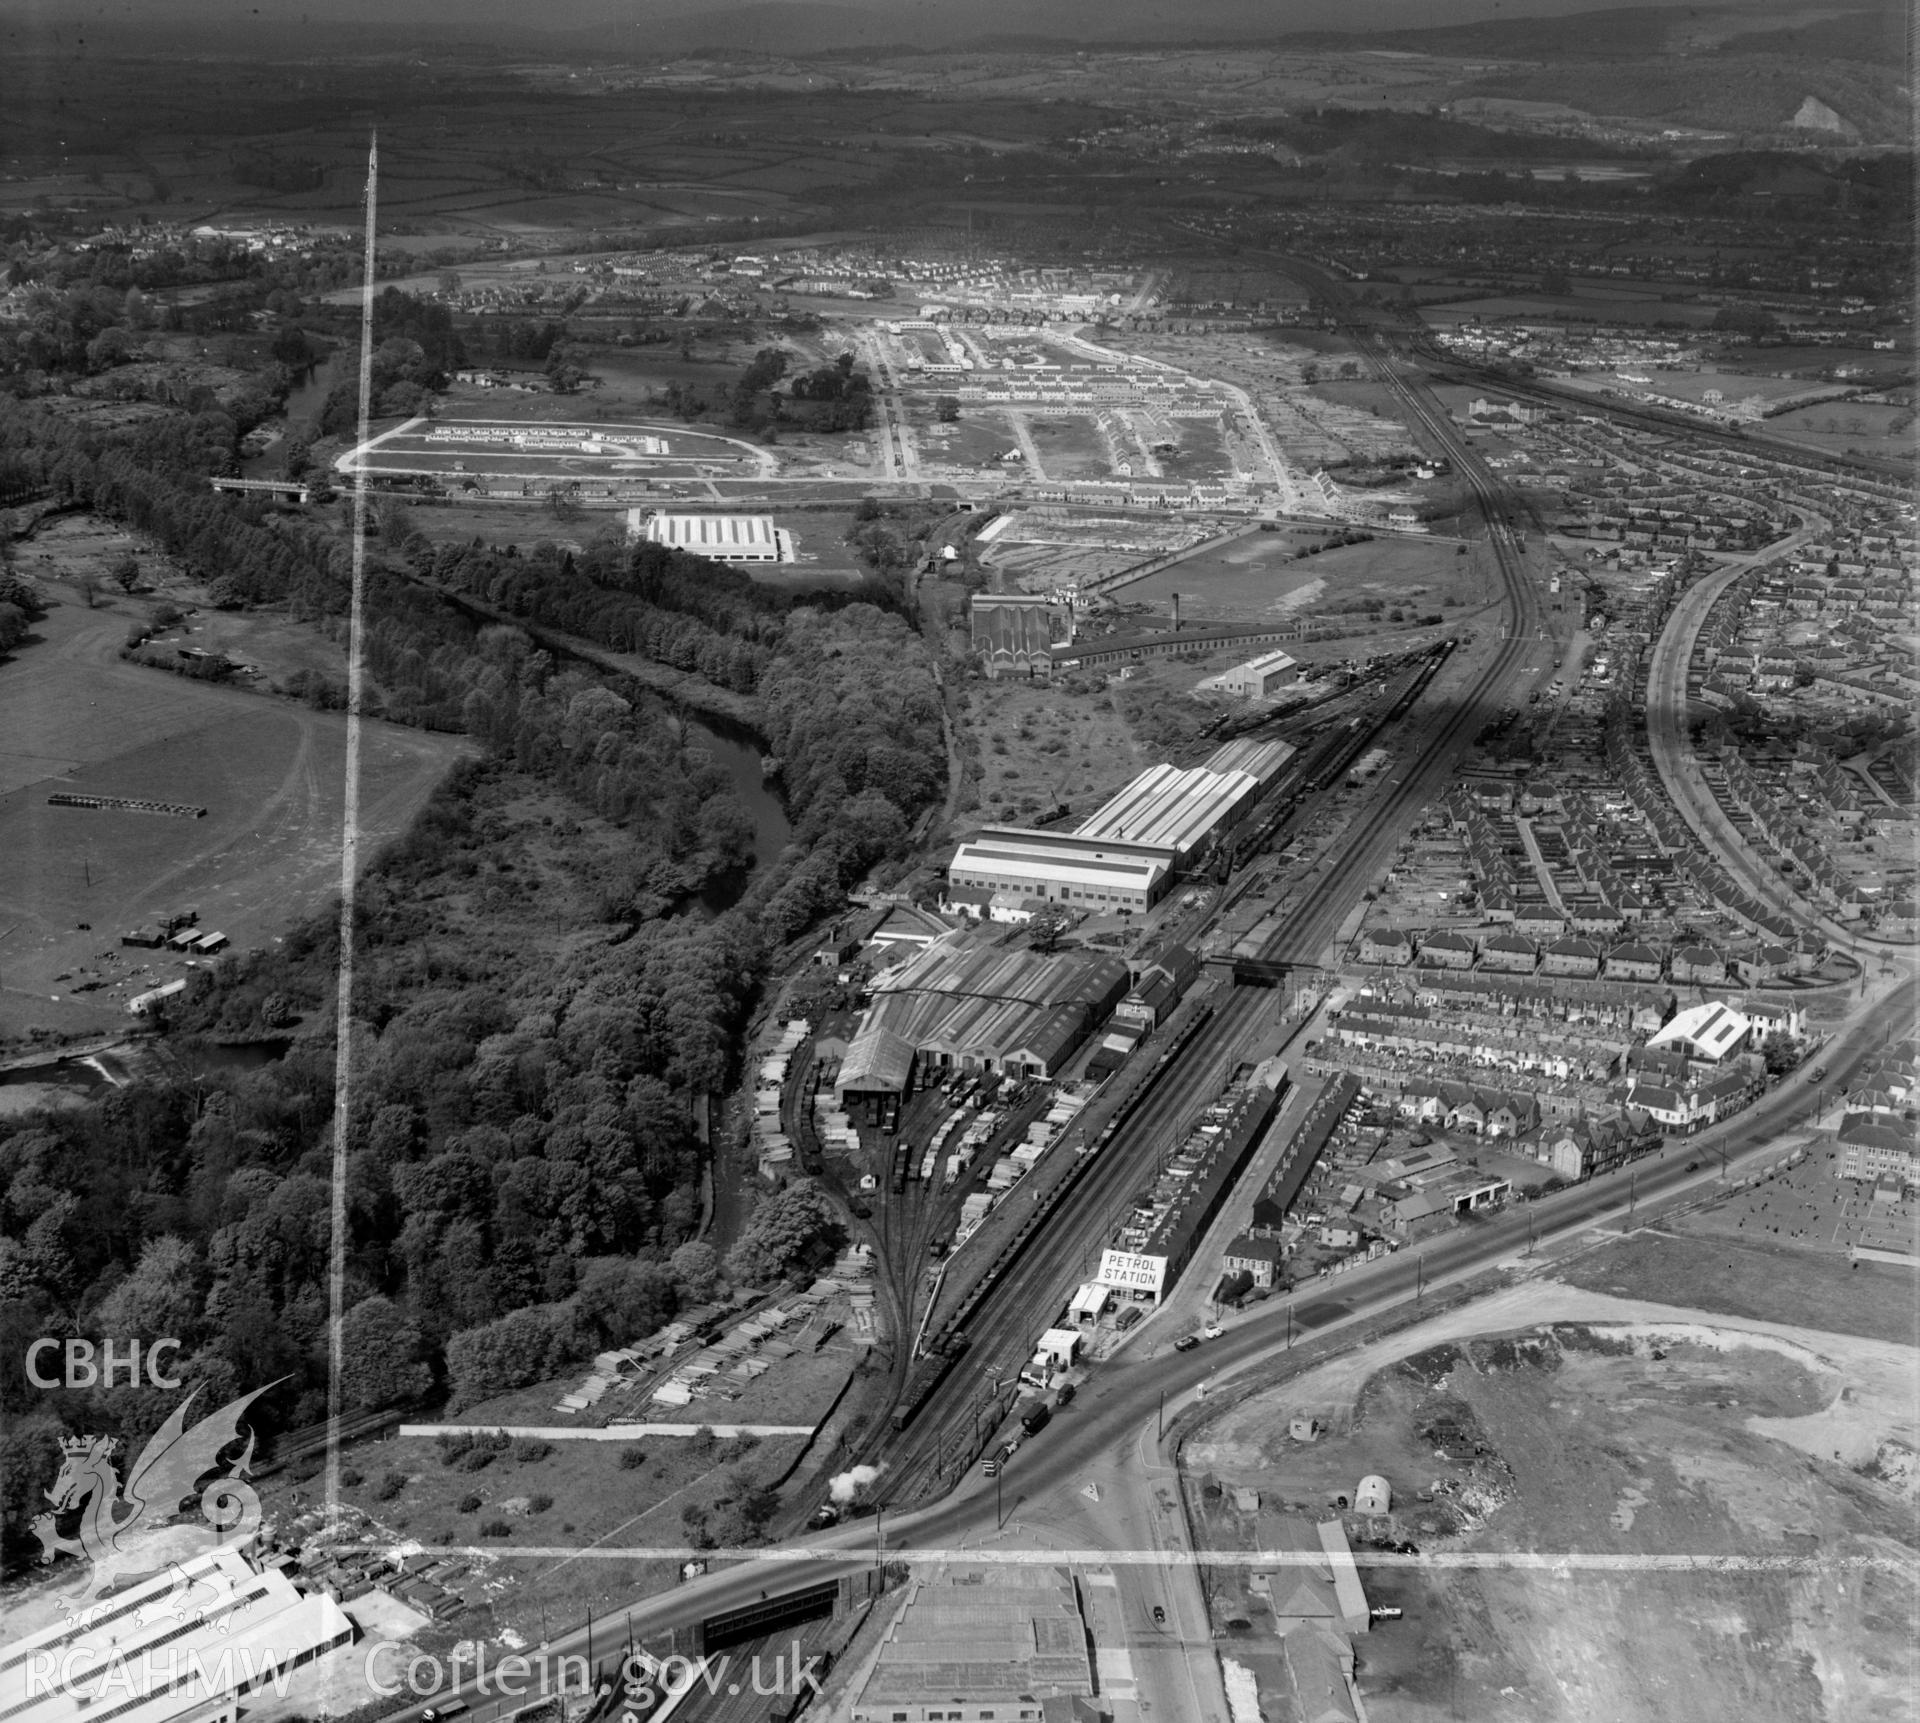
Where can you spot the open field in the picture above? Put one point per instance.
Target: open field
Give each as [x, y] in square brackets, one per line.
[976, 440]
[1735, 385]
[1623, 310]
[73, 716]
[1040, 744]
[1874, 428]
[587, 1495]
[1624, 1436]
[1805, 1209]
[1767, 1282]
[1866, 364]
[1265, 575]
[1070, 446]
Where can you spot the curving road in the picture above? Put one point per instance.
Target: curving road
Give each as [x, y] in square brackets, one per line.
[1673, 750]
[1125, 1396]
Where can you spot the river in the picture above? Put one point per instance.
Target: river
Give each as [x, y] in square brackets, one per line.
[304, 401]
[739, 755]
[89, 1075]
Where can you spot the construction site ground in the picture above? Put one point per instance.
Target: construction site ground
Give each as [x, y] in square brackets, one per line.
[1631, 1510]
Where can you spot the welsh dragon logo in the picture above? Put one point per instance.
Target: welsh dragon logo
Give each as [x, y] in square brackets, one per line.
[115, 1517]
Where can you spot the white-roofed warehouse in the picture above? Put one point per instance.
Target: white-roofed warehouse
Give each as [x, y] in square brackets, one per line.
[1173, 808]
[1062, 866]
[724, 538]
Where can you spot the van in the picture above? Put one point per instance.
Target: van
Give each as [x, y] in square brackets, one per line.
[1037, 1420]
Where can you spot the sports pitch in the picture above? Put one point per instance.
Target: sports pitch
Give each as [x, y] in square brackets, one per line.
[457, 450]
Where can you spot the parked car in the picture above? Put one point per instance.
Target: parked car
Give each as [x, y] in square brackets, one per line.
[1159, 1616]
[1186, 1343]
[1817, 1074]
[1213, 1331]
[1065, 1396]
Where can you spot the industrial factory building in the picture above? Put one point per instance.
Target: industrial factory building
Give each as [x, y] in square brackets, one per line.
[1258, 679]
[1098, 651]
[1125, 854]
[976, 1006]
[1014, 632]
[990, 1642]
[1062, 867]
[721, 538]
[1174, 809]
[186, 1645]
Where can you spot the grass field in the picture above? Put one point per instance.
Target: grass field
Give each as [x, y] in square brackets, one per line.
[1260, 576]
[1202, 453]
[974, 441]
[1623, 310]
[1771, 1283]
[270, 773]
[1873, 427]
[1040, 744]
[591, 1498]
[1070, 446]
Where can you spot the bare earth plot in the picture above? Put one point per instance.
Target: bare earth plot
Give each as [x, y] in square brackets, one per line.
[73, 717]
[1734, 1500]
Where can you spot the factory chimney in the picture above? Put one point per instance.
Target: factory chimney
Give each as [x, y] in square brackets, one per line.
[1176, 613]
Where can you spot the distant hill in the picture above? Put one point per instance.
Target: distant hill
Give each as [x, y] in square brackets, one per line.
[1524, 27]
[1877, 35]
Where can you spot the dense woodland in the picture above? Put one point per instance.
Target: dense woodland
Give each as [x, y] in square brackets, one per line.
[540, 1005]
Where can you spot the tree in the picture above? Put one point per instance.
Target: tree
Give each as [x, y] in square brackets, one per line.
[163, 1298]
[696, 1271]
[124, 571]
[380, 1357]
[795, 1229]
[946, 408]
[396, 525]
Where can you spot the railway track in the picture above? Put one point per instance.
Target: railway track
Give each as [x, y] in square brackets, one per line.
[947, 1427]
[1001, 1330]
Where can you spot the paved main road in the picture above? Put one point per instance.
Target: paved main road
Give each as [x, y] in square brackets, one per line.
[1672, 748]
[1125, 1396]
